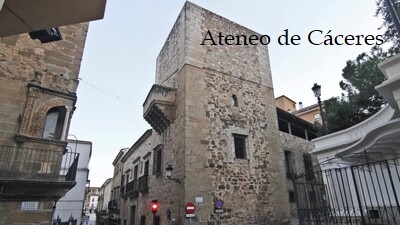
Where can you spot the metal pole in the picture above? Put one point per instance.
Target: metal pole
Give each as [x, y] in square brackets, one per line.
[325, 130]
[53, 210]
[357, 194]
[393, 186]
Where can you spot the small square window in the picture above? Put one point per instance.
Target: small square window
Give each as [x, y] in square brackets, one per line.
[234, 100]
[240, 146]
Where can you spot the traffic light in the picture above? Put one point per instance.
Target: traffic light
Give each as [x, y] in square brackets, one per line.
[154, 206]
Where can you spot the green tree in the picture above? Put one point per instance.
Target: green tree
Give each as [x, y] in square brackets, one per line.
[390, 34]
[360, 76]
[361, 100]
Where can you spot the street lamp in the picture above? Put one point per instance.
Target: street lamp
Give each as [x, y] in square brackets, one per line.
[317, 92]
[76, 141]
[168, 173]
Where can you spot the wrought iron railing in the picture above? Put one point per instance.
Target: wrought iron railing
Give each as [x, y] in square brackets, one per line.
[122, 190]
[113, 205]
[17, 163]
[131, 189]
[143, 183]
[367, 193]
[132, 186]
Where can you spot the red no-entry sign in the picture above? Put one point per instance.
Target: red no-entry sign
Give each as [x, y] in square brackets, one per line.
[189, 208]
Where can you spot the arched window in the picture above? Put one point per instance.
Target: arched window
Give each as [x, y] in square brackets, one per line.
[54, 123]
[234, 101]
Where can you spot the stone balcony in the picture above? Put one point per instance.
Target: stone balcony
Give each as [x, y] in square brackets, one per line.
[159, 107]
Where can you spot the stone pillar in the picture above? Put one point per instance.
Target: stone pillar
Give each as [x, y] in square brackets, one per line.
[390, 88]
[66, 121]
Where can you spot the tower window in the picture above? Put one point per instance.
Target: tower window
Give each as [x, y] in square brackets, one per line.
[240, 146]
[234, 100]
[54, 122]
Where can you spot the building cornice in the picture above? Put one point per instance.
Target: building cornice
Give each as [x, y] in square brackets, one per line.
[353, 134]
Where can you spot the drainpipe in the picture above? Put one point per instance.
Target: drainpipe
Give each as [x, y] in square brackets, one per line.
[53, 209]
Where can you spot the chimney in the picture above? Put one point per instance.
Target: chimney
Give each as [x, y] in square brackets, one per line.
[300, 105]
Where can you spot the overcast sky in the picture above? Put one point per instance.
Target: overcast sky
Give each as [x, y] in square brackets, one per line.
[118, 67]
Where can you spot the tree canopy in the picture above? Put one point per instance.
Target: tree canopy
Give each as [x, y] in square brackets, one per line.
[360, 76]
[361, 99]
[390, 34]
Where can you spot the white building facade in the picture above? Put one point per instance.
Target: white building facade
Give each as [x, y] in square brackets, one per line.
[70, 207]
[105, 195]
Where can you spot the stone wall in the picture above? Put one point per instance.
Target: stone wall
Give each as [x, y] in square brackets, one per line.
[171, 57]
[165, 191]
[199, 142]
[14, 215]
[53, 67]
[252, 187]
[35, 77]
[297, 147]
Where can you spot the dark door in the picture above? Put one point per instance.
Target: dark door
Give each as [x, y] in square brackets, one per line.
[156, 220]
[142, 220]
[133, 215]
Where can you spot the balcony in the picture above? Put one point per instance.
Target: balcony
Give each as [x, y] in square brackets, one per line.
[143, 184]
[159, 107]
[113, 206]
[47, 173]
[131, 190]
[21, 16]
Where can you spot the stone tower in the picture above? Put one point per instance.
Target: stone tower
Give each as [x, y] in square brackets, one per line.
[214, 107]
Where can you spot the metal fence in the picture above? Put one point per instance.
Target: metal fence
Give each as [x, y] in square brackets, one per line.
[366, 194]
[17, 163]
[143, 183]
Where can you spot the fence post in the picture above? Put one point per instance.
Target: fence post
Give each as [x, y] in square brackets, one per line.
[393, 187]
[358, 195]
